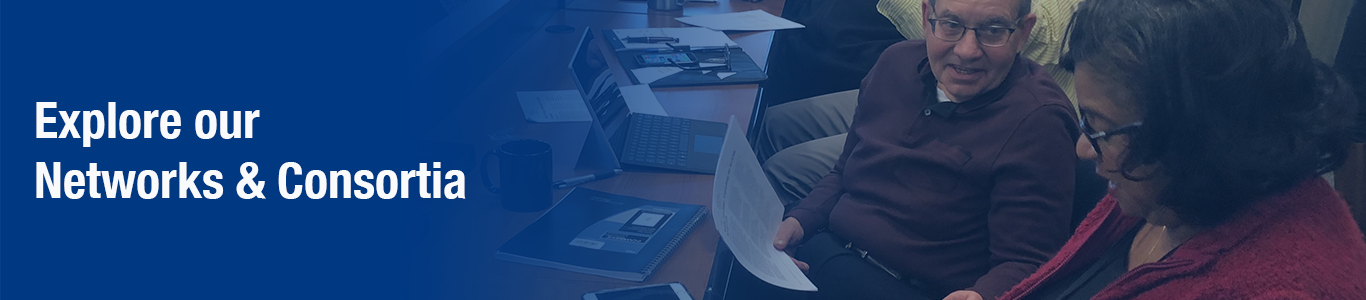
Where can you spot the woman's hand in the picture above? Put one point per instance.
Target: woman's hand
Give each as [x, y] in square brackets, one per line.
[964, 295]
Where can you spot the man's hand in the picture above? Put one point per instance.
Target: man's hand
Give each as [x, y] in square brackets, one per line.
[964, 295]
[789, 235]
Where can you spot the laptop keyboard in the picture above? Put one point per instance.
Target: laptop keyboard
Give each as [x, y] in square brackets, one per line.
[658, 140]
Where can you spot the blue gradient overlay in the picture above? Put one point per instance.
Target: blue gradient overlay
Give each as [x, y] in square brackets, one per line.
[340, 85]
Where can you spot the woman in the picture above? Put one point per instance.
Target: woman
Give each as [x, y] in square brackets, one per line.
[1213, 124]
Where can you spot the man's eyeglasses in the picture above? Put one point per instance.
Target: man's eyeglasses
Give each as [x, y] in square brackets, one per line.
[1093, 136]
[990, 36]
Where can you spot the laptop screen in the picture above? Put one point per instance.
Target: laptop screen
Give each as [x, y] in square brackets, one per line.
[599, 91]
[595, 82]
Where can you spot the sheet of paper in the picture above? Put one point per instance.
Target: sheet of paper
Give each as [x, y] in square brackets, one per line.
[650, 74]
[553, 106]
[748, 21]
[747, 213]
[696, 37]
[723, 75]
[642, 100]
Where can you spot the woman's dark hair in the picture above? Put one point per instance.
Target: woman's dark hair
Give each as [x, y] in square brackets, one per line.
[1234, 108]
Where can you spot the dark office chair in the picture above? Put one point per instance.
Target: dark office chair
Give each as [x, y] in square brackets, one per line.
[730, 281]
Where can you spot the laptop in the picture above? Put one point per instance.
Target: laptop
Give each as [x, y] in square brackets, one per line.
[637, 138]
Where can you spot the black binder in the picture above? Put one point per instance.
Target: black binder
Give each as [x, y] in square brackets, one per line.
[746, 70]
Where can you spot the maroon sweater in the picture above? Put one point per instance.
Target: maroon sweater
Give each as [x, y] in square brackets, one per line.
[975, 196]
[1301, 244]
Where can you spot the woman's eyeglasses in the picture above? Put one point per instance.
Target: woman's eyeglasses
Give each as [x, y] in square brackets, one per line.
[1093, 136]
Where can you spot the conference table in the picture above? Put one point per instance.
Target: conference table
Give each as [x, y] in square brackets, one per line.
[491, 116]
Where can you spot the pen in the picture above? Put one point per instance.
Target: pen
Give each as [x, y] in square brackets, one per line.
[679, 48]
[585, 179]
[651, 39]
[721, 49]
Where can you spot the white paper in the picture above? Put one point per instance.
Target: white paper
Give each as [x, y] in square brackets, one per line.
[695, 37]
[747, 213]
[553, 106]
[650, 74]
[747, 21]
[641, 100]
[723, 75]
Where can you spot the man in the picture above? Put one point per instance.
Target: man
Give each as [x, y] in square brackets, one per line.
[825, 118]
[1043, 47]
[957, 174]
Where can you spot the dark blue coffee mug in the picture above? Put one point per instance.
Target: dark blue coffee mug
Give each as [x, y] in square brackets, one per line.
[524, 171]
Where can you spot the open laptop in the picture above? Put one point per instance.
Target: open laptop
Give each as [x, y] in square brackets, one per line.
[637, 138]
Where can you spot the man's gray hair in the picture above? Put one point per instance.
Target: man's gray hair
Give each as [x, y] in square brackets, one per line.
[1024, 8]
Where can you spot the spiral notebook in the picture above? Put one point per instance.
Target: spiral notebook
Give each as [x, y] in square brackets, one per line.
[604, 234]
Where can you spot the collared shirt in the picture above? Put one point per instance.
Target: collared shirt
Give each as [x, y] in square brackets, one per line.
[972, 195]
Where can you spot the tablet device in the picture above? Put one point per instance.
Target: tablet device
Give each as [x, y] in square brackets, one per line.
[664, 291]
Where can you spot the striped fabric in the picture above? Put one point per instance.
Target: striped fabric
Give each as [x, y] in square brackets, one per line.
[1044, 45]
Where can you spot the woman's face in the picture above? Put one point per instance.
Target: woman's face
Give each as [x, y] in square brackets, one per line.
[1103, 111]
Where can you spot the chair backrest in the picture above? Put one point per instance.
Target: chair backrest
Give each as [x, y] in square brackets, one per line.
[1090, 189]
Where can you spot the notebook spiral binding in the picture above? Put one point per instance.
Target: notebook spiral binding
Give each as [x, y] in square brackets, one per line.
[677, 239]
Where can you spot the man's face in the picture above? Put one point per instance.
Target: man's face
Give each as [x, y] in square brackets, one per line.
[965, 68]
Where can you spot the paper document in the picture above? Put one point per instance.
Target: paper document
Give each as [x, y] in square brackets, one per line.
[723, 75]
[553, 106]
[747, 213]
[640, 99]
[748, 21]
[650, 74]
[695, 37]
